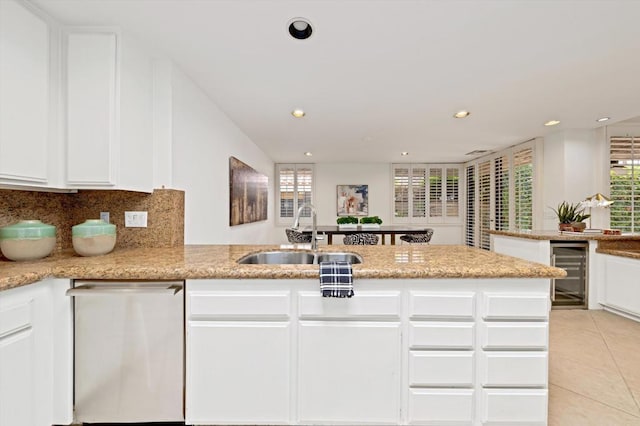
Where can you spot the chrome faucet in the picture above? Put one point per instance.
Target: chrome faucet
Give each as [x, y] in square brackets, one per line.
[314, 229]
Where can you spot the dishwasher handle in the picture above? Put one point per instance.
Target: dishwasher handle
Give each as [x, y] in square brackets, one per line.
[91, 289]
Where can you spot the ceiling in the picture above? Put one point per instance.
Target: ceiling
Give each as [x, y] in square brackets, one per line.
[379, 77]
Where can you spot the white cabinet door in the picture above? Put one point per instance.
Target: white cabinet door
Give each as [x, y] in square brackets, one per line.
[348, 372]
[24, 95]
[92, 77]
[238, 372]
[17, 365]
[622, 291]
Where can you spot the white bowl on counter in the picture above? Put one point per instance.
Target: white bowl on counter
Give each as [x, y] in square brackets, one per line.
[94, 237]
[27, 240]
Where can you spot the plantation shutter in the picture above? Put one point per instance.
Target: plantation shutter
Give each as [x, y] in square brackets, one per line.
[501, 185]
[452, 188]
[304, 185]
[418, 192]
[401, 192]
[484, 204]
[624, 185]
[523, 188]
[470, 228]
[435, 192]
[287, 190]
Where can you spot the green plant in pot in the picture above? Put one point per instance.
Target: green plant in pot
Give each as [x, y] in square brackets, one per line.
[347, 220]
[570, 216]
[371, 220]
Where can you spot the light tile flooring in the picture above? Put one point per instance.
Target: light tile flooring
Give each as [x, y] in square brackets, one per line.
[594, 369]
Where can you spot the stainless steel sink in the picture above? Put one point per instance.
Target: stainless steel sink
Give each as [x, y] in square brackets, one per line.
[296, 258]
[338, 257]
[278, 258]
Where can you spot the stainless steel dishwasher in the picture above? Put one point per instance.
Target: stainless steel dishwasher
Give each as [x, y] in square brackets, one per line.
[129, 351]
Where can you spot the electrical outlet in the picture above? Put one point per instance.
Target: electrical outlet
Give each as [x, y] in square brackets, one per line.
[104, 216]
[135, 219]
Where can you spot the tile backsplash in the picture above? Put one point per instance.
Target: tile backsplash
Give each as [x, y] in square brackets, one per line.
[165, 207]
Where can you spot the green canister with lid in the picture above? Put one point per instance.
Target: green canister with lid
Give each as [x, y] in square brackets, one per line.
[27, 240]
[94, 237]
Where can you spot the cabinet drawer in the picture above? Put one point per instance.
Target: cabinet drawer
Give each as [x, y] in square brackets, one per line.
[514, 369]
[238, 305]
[441, 335]
[514, 335]
[441, 368]
[441, 305]
[441, 407]
[15, 318]
[513, 407]
[385, 305]
[521, 307]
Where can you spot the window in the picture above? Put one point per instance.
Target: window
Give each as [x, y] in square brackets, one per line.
[426, 193]
[624, 183]
[500, 195]
[295, 187]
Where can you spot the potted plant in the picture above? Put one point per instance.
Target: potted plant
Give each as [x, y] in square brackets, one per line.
[347, 222]
[370, 222]
[569, 214]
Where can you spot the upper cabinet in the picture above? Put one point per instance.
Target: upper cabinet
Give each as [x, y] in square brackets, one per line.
[109, 140]
[24, 95]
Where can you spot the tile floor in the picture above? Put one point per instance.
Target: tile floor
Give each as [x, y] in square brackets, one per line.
[594, 369]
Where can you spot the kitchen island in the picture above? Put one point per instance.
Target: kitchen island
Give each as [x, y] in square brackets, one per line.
[433, 335]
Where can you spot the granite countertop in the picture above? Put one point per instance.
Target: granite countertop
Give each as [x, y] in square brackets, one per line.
[556, 235]
[630, 253]
[219, 261]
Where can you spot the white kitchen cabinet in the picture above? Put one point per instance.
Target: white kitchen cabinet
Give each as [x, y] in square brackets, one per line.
[351, 367]
[24, 95]
[424, 352]
[622, 291]
[35, 368]
[238, 356]
[108, 111]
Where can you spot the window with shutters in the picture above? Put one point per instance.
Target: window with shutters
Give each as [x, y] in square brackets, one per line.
[523, 189]
[500, 194]
[501, 185]
[295, 187]
[426, 193]
[624, 183]
[470, 224]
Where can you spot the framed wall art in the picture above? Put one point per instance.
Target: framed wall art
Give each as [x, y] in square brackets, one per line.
[249, 193]
[353, 200]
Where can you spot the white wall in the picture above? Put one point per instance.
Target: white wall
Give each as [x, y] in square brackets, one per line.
[379, 178]
[572, 166]
[203, 140]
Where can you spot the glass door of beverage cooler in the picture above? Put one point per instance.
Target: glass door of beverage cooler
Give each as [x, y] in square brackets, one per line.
[571, 291]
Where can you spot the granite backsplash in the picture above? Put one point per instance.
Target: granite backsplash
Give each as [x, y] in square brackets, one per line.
[165, 218]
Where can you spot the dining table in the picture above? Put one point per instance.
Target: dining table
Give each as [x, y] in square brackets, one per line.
[391, 231]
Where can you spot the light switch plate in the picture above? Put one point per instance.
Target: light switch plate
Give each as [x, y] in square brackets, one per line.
[135, 219]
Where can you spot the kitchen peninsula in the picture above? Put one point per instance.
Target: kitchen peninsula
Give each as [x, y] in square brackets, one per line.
[612, 263]
[433, 335]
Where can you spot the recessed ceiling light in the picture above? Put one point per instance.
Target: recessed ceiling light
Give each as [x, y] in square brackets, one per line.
[601, 119]
[404, 153]
[552, 123]
[298, 113]
[300, 28]
[462, 114]
[308, 154]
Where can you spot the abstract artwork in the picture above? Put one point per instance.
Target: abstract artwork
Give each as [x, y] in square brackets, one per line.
[353, 200]
[248, 191]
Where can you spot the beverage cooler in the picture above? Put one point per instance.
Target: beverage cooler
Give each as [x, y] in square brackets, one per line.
[571, 291]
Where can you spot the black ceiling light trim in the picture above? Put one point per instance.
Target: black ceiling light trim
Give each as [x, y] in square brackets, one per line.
[300, 28]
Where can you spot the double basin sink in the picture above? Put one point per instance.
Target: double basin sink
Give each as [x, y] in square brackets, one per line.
[297, 258]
